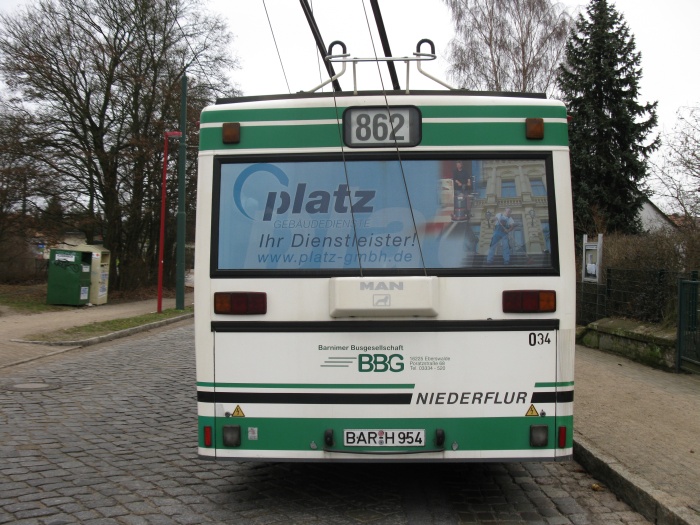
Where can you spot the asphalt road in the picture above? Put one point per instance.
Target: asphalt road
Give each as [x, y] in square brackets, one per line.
[107, 435]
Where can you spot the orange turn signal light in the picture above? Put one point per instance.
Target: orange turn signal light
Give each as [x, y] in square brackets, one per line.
[231, 132]
[534, 128]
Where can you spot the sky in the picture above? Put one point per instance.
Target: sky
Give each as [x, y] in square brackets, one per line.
[665, 34]
[666, 37]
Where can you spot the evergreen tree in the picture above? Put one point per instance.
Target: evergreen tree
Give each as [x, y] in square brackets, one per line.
[609, 130]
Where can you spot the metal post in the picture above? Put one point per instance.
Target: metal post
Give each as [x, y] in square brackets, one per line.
[181, 213]
[161, 243]
[680, 331]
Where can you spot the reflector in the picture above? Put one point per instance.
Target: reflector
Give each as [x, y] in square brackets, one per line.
[562, 437]
[207, 437]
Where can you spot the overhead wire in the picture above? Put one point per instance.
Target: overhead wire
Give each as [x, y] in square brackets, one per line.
[184, 35]
[339, 127]
[189, 45]
[398, 152]
[318, 57]
[269, 22]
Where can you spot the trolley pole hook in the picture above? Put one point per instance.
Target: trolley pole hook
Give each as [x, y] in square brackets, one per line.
[429, 56]
[328, 58]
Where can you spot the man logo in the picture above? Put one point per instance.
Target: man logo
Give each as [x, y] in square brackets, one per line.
[382, 300]
[381, 285]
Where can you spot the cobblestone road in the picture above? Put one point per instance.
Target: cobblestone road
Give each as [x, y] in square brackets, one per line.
[112, 441]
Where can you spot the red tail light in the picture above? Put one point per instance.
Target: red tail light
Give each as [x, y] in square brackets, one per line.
[240, 303]
[562, 437]
[529, 301]
[207, 437]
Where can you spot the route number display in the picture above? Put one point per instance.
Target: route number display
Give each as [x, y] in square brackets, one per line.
[376, 127]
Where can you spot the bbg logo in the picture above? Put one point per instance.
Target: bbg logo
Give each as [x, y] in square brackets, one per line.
[380, 363]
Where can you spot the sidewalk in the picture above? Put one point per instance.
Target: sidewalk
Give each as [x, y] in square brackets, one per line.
[16, 327]
[636, 429]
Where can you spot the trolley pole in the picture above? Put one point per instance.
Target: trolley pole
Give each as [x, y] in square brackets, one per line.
[181, 213]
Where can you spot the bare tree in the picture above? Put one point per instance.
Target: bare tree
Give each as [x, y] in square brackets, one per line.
[677, 175]
[507, 45]
[23, 185]
[100, 83]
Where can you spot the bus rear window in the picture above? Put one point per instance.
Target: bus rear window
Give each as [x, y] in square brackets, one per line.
[440, 215]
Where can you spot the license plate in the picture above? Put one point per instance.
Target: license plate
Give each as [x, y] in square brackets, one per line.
[384, 438]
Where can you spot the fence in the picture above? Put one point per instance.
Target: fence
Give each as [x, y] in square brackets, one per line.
[688, 340]
[645, 295]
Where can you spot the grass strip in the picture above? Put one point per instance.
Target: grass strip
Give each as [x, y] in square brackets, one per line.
[78, 333]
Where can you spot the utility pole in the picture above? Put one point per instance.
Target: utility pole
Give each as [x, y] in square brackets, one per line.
[161, 241]
[181, 213]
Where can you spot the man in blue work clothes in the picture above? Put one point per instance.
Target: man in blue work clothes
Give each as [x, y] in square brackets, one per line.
[504, 224]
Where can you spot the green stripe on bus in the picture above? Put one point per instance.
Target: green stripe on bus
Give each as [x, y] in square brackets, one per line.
[263, 115]
[554, 385]
[304, 385]
[509, 134]
[491, 134]
[497, 433]
[493, 112]
[266, 137]
[320, 113]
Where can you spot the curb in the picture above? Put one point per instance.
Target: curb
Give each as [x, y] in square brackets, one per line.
[114, 335]
[655, 505]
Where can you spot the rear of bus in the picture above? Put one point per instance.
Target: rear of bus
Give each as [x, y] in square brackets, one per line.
[385, 278]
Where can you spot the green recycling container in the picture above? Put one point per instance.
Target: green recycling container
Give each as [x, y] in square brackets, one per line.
[69, 277]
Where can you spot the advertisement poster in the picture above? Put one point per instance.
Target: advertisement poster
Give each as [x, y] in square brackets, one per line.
[374, 214]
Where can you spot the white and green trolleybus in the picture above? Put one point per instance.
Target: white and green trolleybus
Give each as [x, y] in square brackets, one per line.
[385, 276]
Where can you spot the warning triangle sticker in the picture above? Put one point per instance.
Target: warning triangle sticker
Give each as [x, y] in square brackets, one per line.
[238, 412]
[532, 411]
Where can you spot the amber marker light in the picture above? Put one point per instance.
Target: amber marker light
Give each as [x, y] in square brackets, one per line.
[534, 128]
[231, 132]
